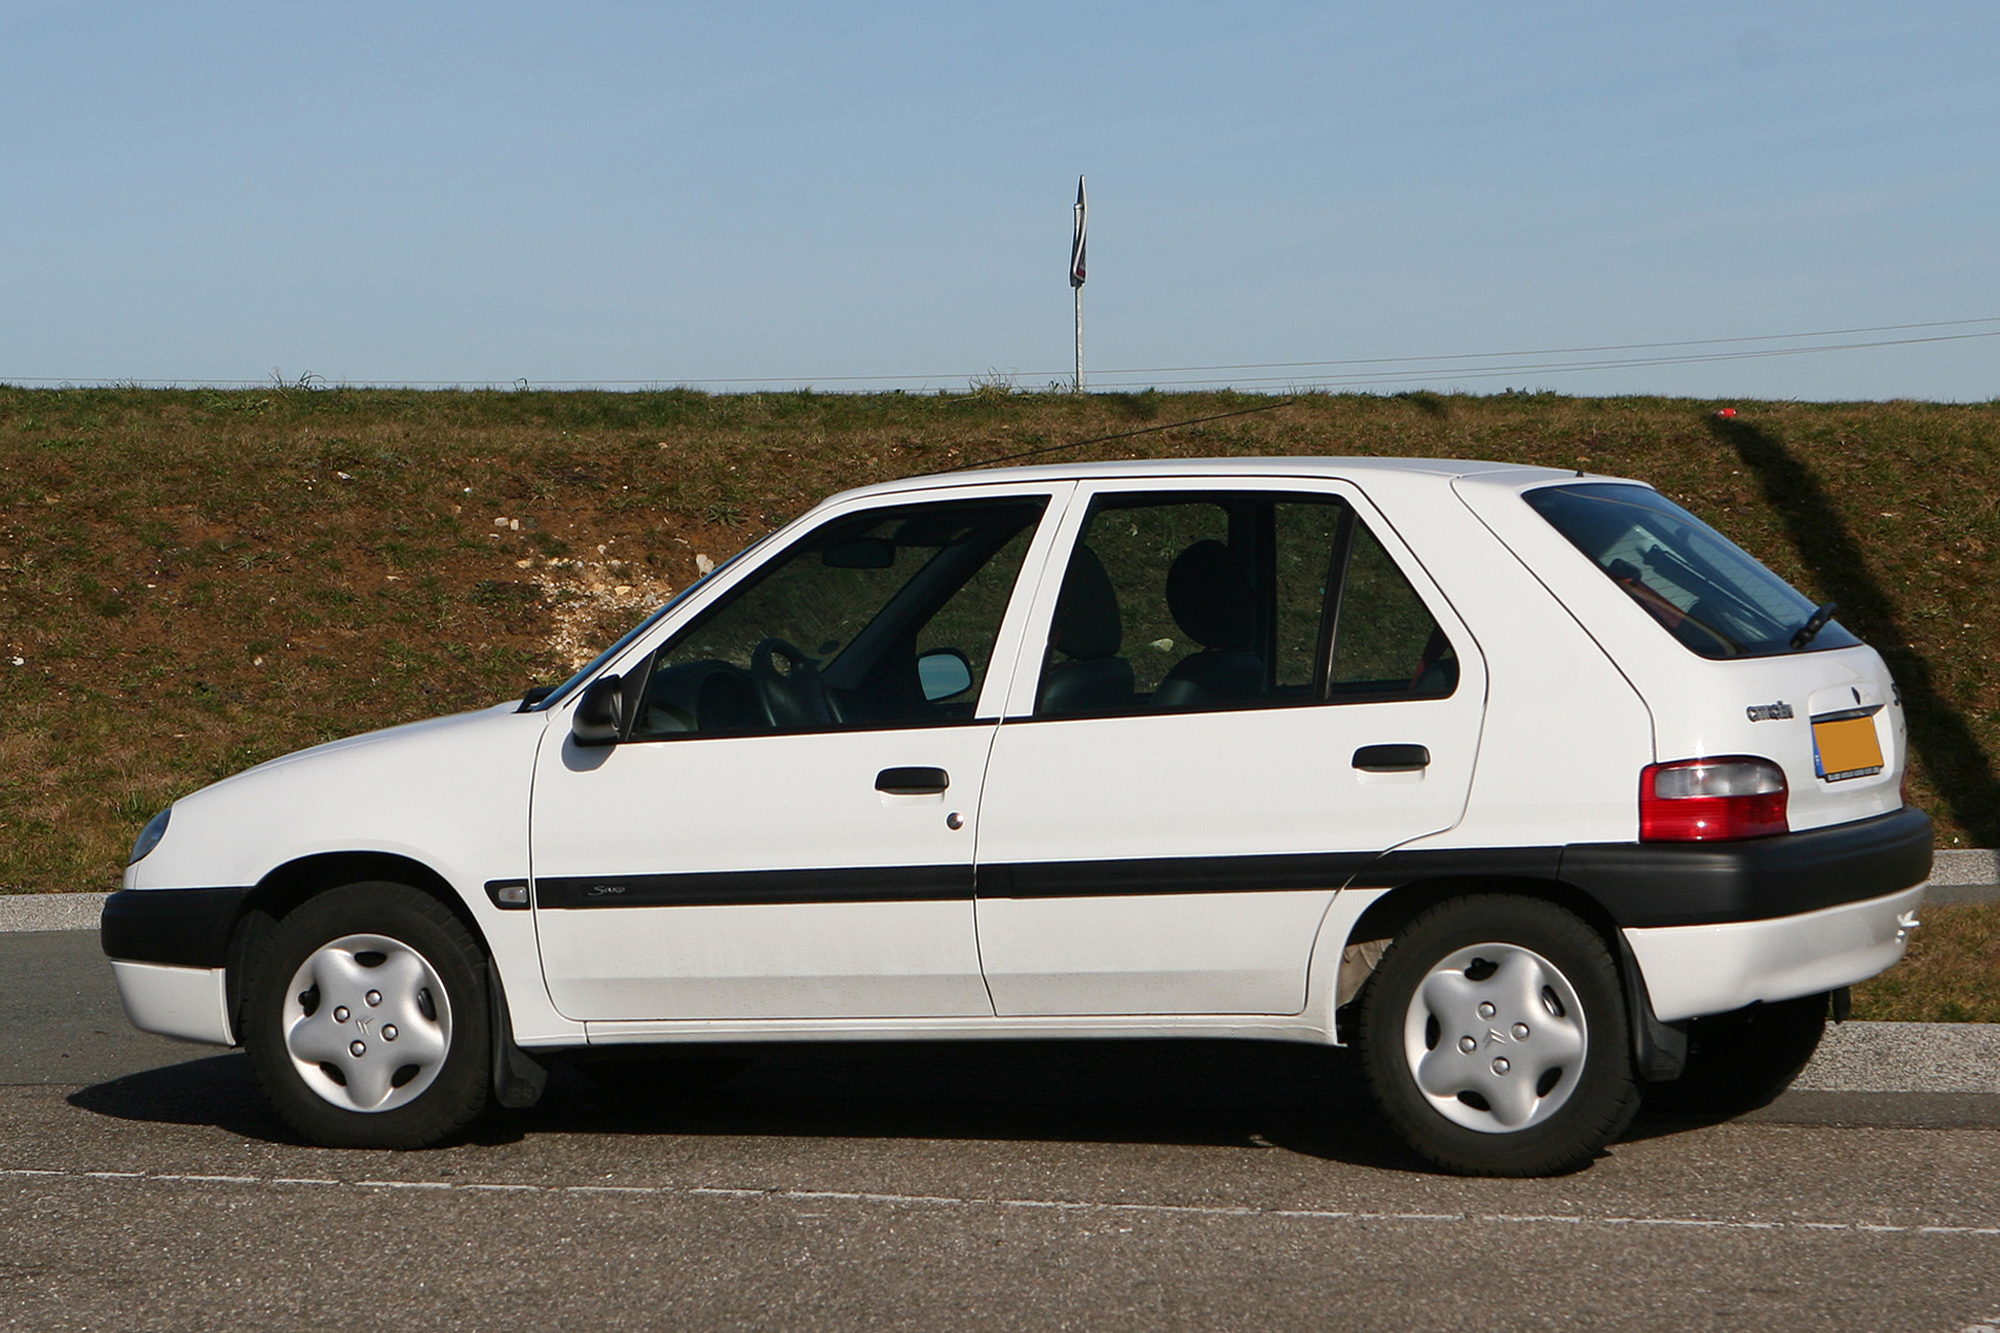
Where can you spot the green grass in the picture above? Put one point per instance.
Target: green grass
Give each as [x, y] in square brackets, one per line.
[155, 545]
[1950, 975]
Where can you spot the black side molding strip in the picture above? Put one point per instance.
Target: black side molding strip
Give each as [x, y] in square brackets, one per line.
[720, 888]
[1638, 884]
[1171, 874]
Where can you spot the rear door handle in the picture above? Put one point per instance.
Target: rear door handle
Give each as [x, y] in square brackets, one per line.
[912, 781]
[1392, 758]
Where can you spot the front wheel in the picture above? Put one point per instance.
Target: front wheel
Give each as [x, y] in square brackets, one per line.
[1495, 1038]
[366, 1019]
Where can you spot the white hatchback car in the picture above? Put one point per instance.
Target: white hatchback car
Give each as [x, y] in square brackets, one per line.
[1526, 782]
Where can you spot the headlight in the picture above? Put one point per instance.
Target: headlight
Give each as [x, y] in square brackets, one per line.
[149, 836]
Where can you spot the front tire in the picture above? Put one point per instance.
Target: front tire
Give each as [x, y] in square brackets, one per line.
[1495, 1038]
[366, 1019]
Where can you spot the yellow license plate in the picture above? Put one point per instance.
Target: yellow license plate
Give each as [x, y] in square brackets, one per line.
[1847, 748]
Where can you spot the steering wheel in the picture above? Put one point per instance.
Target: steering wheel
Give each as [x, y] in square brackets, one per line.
[789, 689]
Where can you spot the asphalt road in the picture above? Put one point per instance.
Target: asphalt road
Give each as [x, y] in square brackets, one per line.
[1002, 1186]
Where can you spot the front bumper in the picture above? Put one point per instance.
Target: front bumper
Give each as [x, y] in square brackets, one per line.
[188, 1003]
[1711, 969]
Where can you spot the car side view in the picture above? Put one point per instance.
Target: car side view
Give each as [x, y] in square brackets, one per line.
[1526, 783]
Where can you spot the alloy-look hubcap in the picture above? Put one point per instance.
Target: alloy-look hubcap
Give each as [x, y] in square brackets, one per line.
[367, 1022]
[1495, 1038]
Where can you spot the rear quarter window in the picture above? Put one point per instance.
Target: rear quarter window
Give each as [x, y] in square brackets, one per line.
[1701, 587]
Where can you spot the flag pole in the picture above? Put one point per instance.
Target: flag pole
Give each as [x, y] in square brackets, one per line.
[1079, 338]
[1076, 267]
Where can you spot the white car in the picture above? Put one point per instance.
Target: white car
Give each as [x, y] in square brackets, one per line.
[1526, 782]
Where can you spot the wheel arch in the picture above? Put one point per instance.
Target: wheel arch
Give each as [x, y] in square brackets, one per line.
[288, 886]
[1390, 913]
[1659, 1049]
[1385, 918]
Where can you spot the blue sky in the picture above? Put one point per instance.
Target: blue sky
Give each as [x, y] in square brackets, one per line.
[786, 194]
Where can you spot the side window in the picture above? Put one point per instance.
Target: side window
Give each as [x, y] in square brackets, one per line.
[1385, 643]
[879, 619]
[1192, 601]
[1188, 602]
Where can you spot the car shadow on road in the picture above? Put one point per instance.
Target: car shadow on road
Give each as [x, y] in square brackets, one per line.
[1241, 1094]
[1250, 1095]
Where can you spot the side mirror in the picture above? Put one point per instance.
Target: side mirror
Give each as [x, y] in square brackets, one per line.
[600, 714]
[943, 673]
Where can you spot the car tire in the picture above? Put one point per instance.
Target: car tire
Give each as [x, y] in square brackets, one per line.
[1495, 1038]
[1743, 1059]
[367, 1021]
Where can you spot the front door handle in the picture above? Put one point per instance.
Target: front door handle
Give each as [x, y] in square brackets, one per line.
[1392, 758]
[912, 781]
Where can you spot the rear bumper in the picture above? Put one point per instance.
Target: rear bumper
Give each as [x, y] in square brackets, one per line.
[1711, 969]
[188, 1003]
[1650, 884]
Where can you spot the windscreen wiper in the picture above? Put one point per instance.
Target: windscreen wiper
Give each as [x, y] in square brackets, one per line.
[1816, 622]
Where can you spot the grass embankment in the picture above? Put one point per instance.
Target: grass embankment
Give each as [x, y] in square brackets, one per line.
[196, 581]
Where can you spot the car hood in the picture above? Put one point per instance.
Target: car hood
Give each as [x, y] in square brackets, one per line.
[452, 787]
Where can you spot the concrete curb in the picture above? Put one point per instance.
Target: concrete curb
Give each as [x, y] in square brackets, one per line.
[51, 911]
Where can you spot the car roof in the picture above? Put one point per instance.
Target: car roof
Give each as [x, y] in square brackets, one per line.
[1444, 470]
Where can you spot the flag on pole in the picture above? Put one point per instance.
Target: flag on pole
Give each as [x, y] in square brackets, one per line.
[1077, 238]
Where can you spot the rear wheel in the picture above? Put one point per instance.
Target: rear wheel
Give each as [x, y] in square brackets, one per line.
[1743, 1059]
[365, 1017]
[1495, 1038]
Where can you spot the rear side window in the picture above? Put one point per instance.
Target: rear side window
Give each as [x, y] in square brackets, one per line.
[1198, 601]
[1701, 586]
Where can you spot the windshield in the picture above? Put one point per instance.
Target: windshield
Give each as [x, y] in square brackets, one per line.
[1701, 586]
[590, 668]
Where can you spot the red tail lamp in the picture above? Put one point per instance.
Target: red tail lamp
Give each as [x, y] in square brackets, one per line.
[1712, 800]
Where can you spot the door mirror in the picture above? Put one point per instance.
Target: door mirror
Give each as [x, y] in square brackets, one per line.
[944, 673]
[600, 713]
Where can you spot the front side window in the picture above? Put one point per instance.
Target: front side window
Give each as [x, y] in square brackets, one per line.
[1193, 601]
[885, 618]
[1707, 591]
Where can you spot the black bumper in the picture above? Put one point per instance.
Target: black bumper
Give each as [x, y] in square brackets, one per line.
[185, 927]
[1698, 884]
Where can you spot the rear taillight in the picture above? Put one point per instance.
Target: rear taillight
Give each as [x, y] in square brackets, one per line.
[1711, 800]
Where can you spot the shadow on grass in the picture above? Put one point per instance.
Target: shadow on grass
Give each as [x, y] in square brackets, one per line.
[1957, 765]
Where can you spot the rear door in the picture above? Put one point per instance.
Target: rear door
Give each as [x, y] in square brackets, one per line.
[1246, 693]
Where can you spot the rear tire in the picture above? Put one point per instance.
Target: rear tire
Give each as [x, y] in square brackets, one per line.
[1743, 1059]
[366, 1019]
[1495, 1038]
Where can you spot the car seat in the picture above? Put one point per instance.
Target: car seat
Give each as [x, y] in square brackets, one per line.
[1208, 594]
[1088, 633]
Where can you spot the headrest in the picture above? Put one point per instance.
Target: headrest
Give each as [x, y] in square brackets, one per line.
[1087, 624]
[1208, 591]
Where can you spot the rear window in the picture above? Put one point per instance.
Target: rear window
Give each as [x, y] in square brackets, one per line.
[1701, 586]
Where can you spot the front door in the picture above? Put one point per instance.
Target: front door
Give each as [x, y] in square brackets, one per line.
[1245, 698]
[785, 827]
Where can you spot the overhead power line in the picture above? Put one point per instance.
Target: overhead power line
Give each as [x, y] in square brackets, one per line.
[1430, 365]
